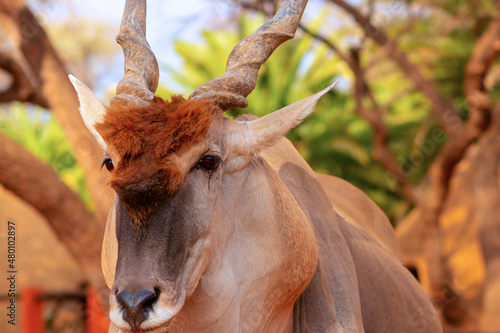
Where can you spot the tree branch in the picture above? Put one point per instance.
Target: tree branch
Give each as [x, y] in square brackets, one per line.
[325, 41]
[485, 51]
[381, 152]
[457, 144]
[21, 88]
[441, 107]
[21, 26]
[39, 185]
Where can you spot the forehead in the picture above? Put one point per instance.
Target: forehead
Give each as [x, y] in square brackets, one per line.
[148, 142]
[161, 128]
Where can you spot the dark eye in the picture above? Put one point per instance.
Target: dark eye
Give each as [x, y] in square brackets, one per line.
[108, 164]
[209, 163]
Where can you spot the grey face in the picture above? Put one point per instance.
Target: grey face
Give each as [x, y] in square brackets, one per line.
[160, 260]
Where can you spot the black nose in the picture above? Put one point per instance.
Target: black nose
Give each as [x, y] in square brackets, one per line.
[136, 305]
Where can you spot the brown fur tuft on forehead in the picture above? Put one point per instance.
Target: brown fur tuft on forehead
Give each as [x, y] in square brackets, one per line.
[161, 128]
[144, 137]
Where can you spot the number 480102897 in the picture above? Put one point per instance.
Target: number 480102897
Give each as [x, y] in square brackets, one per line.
[11, 241]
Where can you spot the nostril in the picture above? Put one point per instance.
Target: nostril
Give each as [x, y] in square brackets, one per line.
[136, 305]
[148, 304]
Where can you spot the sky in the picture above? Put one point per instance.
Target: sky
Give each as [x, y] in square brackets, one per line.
[167, 20]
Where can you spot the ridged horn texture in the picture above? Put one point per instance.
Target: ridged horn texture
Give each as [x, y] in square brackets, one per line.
[140, 80]
[242, 68]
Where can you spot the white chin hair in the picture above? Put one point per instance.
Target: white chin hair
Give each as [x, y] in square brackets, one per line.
[157, 321]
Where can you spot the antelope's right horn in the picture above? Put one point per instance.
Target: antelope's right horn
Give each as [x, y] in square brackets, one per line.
[140, 79]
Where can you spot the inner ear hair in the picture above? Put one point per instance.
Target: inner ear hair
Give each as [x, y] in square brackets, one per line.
[91, 109]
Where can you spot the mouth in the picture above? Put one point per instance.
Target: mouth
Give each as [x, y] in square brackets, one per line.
[158, 320]
[161, 328]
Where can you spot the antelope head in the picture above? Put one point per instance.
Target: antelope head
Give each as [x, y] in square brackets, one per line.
[178, 170]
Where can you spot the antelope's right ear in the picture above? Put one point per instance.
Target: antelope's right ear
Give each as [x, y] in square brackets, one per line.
[91, 108]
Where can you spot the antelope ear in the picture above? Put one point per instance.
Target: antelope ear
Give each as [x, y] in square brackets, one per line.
[246, 138]
[91, 109]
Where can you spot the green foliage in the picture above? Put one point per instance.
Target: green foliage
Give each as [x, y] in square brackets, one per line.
[37, 131]
[333, 139]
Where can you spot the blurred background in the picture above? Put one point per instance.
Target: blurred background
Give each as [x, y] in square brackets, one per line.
[414, 123]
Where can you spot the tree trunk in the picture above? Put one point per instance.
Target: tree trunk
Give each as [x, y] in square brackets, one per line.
[39, 185]
[487, 193]
[469, 245]
[52, 80]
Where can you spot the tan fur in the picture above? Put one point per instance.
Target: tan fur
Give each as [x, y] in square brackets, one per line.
[286, 249]
[109, 254]
[356, 208]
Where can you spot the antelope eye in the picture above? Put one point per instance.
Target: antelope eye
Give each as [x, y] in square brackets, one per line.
[108, 164]
[209, 163]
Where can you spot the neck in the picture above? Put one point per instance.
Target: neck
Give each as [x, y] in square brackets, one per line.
[273, 249]
[264, 256]
[214, 305]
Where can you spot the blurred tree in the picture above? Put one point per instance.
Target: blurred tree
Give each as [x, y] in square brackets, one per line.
[38, 132]
[38, 76]
[85, 46]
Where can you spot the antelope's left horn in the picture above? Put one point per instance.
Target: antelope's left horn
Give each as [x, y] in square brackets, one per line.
[231, 89]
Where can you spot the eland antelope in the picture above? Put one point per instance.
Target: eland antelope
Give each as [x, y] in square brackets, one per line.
[219, 225]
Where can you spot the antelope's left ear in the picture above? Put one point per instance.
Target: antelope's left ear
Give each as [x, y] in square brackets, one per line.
[243, 139]
[91, 108]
